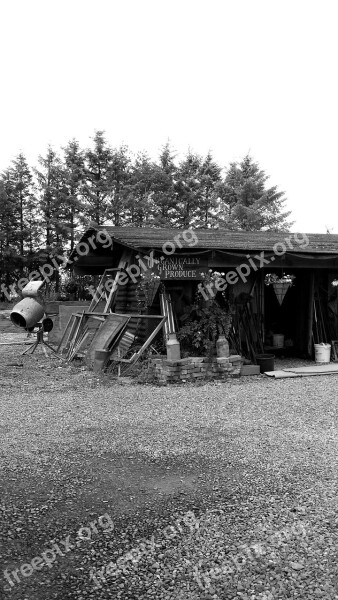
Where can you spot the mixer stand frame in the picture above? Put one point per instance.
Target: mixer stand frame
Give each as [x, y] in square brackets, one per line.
[39, 340]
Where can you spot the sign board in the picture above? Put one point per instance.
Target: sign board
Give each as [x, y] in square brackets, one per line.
[182, 267]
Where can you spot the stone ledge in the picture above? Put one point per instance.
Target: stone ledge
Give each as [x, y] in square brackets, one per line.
[193, 368]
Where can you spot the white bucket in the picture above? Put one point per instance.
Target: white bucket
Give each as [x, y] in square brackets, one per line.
[278, 340]
[322, 353]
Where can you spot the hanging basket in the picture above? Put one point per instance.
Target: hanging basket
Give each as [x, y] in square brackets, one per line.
[281, 289]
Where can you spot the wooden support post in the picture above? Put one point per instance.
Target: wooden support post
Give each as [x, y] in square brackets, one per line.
[311, 300]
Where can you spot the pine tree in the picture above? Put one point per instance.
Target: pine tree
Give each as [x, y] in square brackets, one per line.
[118, 178]
[209, 177]
[246, 203]
[26, 206]
[11, 262]
[73, 184]
[52, 199]
[97, 187]
[163, 187]
[188, 191]
[139, 202]
[52, 195]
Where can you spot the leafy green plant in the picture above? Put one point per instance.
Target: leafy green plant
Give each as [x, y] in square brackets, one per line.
[204, 325]
[271, 278]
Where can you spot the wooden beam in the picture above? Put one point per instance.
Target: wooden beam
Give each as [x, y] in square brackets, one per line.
[310, 313]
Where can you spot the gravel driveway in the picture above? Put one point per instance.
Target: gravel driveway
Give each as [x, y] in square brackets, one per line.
[220, 490]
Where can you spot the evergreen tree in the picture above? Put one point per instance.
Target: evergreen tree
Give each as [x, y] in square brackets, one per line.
[139, 202]
[246, 203]
[11, 262]
[209, 176]
[97, 187]
[73, 184]
[52, 194]
[118, 178]
[52, 199]
[164, 196]
[188, 191]
[25, 205]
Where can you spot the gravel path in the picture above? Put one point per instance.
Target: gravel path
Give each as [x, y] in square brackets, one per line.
[221, 490]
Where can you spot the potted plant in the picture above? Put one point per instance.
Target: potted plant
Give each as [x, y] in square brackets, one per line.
[208, 322]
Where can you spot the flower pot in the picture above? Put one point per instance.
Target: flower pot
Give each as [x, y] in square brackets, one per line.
[266, 362]
[280, 290]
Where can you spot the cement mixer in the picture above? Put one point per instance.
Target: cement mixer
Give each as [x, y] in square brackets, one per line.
[29, 313]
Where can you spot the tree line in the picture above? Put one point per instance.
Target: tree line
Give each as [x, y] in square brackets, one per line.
[44, 209]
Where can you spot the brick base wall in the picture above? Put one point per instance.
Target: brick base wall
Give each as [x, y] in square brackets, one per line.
[195, 368]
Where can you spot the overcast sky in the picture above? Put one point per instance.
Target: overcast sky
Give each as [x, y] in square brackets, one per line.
[232, 77]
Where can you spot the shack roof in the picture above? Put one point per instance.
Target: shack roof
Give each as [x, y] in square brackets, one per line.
[221, 239]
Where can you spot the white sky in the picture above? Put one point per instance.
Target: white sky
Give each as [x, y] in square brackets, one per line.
[229, 76]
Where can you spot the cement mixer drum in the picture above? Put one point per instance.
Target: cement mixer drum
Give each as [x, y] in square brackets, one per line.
[27, 313]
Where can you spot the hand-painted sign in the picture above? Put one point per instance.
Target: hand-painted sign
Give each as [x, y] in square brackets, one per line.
[182, 267]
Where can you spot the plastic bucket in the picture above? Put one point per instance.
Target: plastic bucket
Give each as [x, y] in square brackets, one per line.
[322, 353]
[266, 362]
[278, 340]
